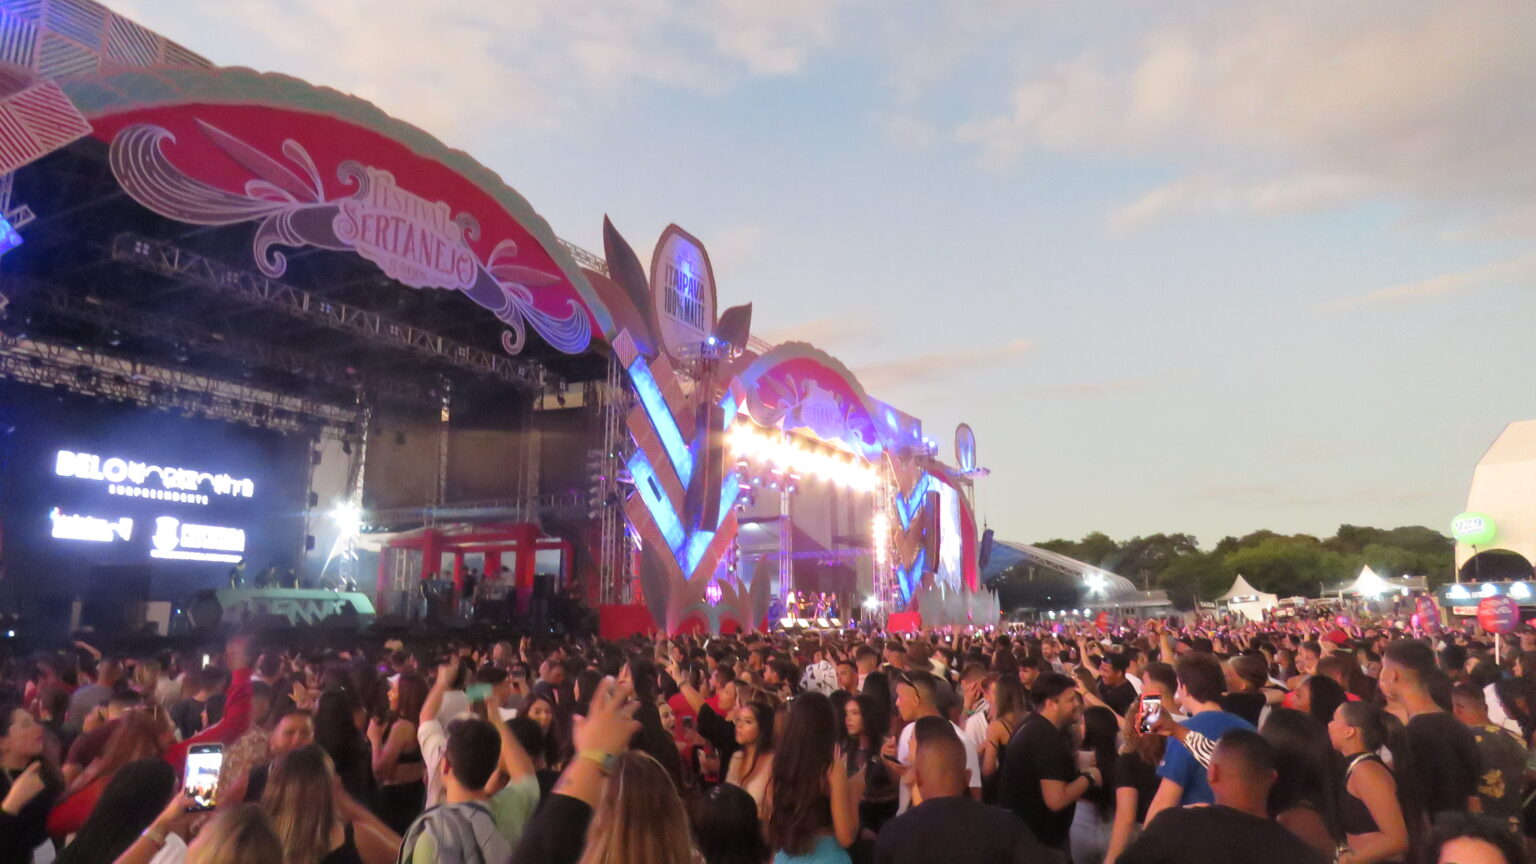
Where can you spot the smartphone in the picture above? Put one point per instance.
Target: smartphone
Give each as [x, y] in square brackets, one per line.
[1151, 712]
[204, 761]
[477, 692]
[688, 723]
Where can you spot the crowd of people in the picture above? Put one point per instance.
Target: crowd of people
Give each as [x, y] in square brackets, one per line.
[1144, 742]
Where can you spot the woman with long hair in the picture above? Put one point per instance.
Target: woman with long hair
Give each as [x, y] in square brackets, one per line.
[139, 735]
[864, 726]
[640, 817]
[318, 825]
[338, 731]
[813, 815]
[30, 785]
[1304, 798]
[127, 806]
[550, 753]
[877, 686]
[726, 829]
[398, 765]
[1320, 696]
[1009, 706]
[1136, 781]
[640, 674]
[1373, 808]
[1093, 821]
[752, 763]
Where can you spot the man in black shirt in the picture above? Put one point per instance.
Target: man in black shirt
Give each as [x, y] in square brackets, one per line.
[1116, 691]
[1040, 781]
[949, 825]
[1445, 759]
[1237, 829]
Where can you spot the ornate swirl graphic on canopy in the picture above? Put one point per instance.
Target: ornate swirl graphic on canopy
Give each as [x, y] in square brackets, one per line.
[417, 242]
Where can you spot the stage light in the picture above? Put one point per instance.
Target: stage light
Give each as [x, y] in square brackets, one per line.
[1519, 591]
[1458, 592]
[348, 518]
[871, 602]
[1488, 590]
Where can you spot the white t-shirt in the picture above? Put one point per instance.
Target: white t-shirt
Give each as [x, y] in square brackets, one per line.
[904, 756]
[433, 742]
[1135, 682]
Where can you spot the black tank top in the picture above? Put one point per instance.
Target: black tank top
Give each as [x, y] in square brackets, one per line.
[410, 758]
[1354, 816]
[346, 853]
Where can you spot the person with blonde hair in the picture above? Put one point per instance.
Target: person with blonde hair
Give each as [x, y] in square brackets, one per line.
[318, 823]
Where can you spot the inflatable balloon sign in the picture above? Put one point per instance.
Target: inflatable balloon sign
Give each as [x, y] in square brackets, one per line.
[1473, 529]
[1498, 614]
[1429, 613]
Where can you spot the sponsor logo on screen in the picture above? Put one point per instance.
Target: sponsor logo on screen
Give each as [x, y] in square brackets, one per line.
[183, 541]
[91, 529]
[134, 479]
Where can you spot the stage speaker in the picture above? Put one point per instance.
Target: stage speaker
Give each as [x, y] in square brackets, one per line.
[114, 601]
[204, 610]
[985, 553]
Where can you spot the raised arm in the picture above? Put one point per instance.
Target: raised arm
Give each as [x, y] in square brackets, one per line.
[237, 705]
[445, 675]
[515, 762]
[557, 832]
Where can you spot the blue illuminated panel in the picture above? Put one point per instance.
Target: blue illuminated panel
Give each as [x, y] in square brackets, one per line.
[9, 239]
[661, 418]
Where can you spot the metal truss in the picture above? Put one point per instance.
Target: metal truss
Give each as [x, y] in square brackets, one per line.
[166, 259]
[19, 215]
[585, 258]
[107, 317]
[567, 504]
[613, 405]
[91, 373]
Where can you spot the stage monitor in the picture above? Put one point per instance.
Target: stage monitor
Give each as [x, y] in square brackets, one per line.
[86, 485]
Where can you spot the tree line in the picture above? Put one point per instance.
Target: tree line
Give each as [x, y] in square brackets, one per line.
[1284, 564]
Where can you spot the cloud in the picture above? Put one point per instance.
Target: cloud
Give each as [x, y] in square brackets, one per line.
[833, 330]
[1284, 107]
[938, 366]
[1213, 194]
[476, 68]
[1515, 270]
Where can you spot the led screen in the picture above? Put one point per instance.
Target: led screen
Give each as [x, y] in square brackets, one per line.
[86, 484]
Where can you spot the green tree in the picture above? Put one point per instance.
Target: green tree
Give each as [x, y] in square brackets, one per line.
[1144, 559]
[1199, 576]
[1288, 566]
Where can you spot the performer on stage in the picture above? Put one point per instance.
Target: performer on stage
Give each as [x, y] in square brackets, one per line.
[237, 574]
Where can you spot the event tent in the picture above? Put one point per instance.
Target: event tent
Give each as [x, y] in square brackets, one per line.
[1247, 600]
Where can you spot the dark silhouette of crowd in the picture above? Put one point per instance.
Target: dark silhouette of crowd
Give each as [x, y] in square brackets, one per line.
[1143, 742]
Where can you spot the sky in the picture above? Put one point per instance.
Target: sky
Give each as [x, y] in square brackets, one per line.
[1187, 266]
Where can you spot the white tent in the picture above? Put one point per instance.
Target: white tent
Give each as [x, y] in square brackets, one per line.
[1246, 600]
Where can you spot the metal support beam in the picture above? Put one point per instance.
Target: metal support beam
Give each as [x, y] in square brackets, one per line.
[90, 373]
[165, 259]
[53, 300]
